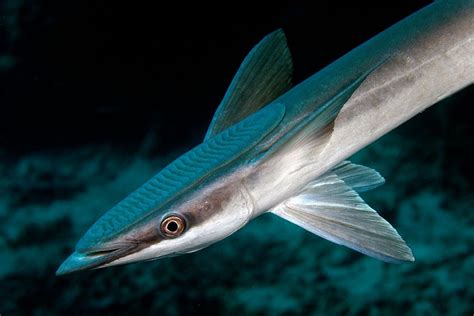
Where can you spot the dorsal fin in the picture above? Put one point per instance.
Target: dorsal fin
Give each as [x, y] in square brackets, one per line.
[184, 173]
[264, 75]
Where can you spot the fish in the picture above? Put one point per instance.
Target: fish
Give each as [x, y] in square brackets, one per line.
[272, 147]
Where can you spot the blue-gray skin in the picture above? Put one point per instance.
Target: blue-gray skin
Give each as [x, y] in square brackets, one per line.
[270, 148]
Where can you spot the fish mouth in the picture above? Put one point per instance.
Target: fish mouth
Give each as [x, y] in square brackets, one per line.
[93, 259]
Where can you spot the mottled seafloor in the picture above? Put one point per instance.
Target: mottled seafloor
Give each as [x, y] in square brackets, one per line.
[53, 189]
[270, 267]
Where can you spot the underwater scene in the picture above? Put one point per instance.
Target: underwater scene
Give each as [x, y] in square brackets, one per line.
[97, 97]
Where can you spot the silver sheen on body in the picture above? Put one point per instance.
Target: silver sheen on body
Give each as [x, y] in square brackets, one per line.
[275, 148]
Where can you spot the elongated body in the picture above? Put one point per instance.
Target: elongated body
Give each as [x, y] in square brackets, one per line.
[430, 56]
[274, 148]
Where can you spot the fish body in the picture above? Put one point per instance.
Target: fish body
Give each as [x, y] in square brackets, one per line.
[276, 148]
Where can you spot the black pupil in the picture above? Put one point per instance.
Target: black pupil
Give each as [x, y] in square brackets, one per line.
[172, 226]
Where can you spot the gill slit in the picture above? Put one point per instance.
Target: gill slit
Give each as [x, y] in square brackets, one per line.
[248, 199]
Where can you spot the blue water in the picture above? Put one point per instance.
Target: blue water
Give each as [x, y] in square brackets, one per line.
[93, 105]
[270, 267]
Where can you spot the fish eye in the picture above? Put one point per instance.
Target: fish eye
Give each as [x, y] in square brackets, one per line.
[172, 226]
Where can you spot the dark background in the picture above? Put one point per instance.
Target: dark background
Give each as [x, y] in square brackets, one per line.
[96, 96]
[75, 72]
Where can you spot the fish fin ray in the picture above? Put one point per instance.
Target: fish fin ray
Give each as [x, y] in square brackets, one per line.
[329, 208]
[265, 74]
[360, 178]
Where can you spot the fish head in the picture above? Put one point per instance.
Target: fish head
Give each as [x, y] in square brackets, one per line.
[198, 199]
[193, 221]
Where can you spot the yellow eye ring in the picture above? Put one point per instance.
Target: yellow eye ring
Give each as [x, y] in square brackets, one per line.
[173, 226]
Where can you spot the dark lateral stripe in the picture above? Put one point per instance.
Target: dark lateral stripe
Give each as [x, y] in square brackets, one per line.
[183, 173]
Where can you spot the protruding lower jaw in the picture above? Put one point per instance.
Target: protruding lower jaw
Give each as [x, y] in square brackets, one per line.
[78, 261]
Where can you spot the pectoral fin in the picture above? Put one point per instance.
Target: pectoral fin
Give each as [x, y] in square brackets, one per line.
[264, 75]
[360, 178]
[329, 208]
[302, 146]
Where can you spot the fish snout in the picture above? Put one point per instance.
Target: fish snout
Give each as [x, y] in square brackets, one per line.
[93, 259]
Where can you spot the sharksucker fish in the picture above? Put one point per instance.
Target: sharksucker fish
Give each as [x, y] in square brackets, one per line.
[275, 148]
